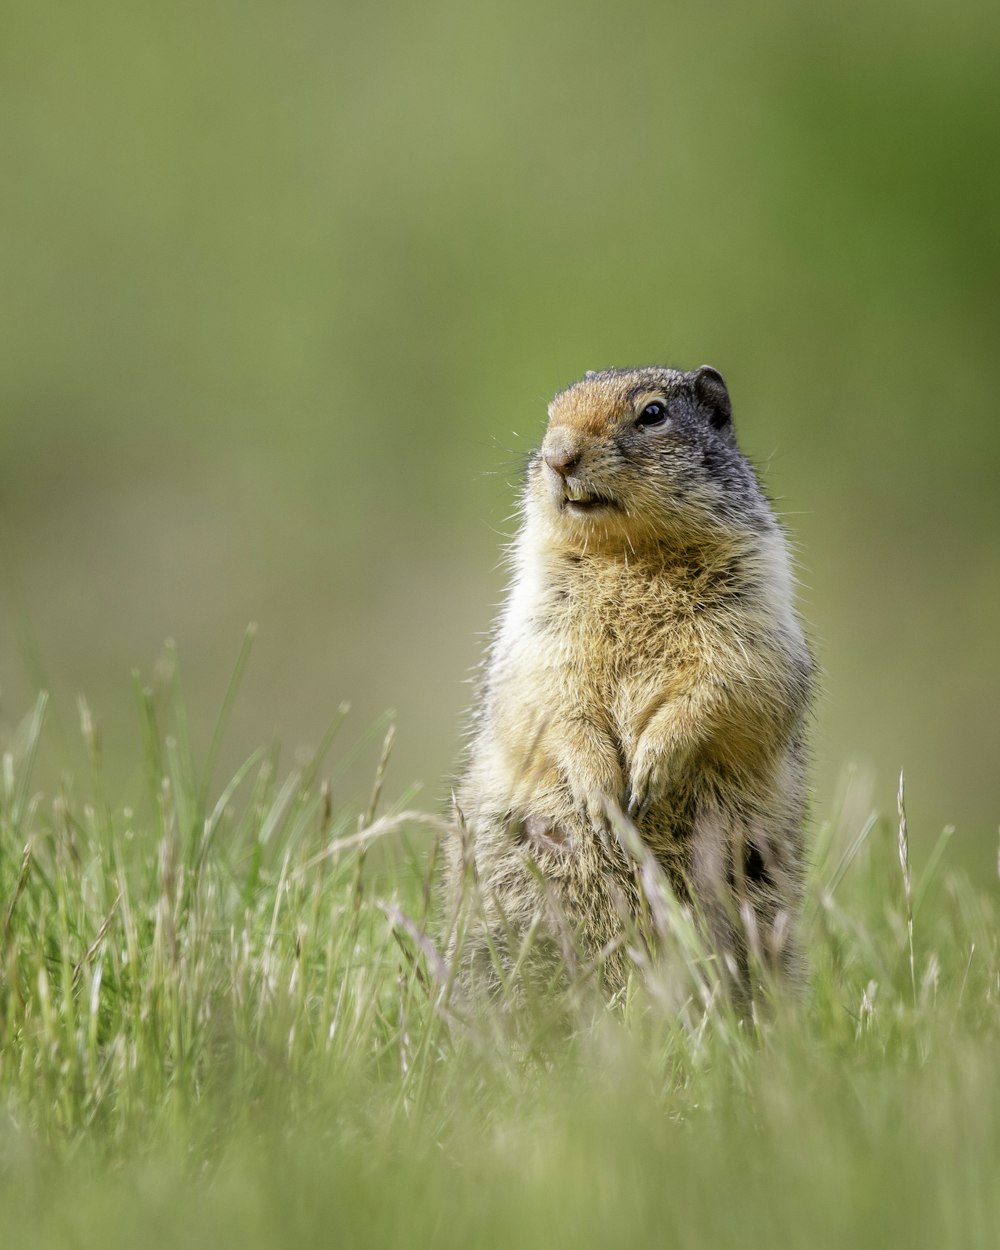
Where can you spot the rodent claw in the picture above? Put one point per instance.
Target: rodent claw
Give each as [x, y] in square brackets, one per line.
[596, 815]
[638, 805]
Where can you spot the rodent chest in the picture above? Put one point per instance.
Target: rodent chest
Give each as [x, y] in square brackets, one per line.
[624, 627]
[618, 654]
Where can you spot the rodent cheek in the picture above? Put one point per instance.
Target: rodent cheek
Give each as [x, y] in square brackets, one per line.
[543, 488]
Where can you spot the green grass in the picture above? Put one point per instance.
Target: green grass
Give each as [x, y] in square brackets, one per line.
[224, 1019]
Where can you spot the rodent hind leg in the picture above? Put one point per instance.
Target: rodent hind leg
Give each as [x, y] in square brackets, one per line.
[745, 904]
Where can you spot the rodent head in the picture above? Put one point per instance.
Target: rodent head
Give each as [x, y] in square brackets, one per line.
[639, 457]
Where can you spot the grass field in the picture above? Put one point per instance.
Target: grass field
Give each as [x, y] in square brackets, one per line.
[224, 1019]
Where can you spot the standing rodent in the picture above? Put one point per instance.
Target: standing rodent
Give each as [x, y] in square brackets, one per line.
[648, 665]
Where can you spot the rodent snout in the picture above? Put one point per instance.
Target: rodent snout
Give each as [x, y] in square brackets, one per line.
[560, 453]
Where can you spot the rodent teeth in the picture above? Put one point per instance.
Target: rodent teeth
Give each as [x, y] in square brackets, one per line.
[576, 495]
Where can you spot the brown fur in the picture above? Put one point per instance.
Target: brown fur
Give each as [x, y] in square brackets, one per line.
[648, 664]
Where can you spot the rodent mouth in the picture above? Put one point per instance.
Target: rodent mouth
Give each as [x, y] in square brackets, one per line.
[575, 499]
[588, 503]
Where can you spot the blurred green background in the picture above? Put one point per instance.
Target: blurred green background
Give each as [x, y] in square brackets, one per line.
[284, 290]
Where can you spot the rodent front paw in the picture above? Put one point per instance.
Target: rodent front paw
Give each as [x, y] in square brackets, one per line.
[596, 786]
[598, 805]
[647, 784]
[595, 808]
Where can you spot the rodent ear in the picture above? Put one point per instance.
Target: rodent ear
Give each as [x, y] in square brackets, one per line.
[711, 391]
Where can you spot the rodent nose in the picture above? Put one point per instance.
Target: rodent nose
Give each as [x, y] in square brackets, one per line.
[560, 455]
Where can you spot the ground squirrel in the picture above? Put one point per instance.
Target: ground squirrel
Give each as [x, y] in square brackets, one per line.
[648, 665]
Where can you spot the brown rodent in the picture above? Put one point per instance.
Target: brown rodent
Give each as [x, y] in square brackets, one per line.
[648, 665]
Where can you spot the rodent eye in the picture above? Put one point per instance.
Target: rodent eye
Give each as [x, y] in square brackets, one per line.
[653, 414]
